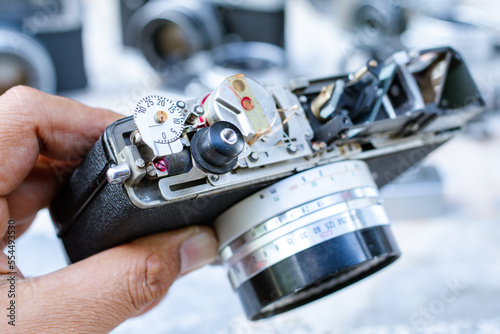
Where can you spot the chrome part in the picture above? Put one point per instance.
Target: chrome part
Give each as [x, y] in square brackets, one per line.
[228, 136]
[117, 174]
[140, 163]
[181, 104]
[227, 103]
[194, 114]
[303, 236]
[297, 213]
[131, 156]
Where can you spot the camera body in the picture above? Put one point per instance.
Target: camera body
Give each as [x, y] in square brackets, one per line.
[169, 33]
[41, 45]
[288, 176]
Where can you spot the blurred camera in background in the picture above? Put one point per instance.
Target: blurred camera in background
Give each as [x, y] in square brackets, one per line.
[41, 45]
[210, 39]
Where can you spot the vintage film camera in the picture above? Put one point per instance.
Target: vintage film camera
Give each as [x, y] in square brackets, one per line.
[173, 36]
[288, 176]
[41, 45]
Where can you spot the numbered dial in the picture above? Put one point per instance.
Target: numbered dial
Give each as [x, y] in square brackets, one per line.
[160, 122]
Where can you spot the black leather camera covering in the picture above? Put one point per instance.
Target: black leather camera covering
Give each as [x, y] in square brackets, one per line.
[109, 218]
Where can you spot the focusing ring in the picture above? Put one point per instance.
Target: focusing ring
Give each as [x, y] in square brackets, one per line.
[305, 237]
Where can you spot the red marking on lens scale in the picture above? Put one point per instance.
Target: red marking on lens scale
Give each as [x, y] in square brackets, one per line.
[345, 196]
[326, 233]
[261, 264]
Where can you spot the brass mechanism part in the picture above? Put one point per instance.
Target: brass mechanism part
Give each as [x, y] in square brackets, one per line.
[161, 116]
[239, 85]
[362, 71]
[322, 99]
[252, 107]
[293, 110]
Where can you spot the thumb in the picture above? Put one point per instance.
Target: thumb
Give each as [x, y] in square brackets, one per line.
[98, 293]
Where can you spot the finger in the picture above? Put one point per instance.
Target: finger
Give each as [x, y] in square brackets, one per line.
[97, 294]
[35, 123]
[36, 191]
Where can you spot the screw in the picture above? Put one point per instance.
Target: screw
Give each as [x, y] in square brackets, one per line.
[197, 111]
[150, 169]
[228, 136]
[247, 103]
[292, 149]
[161, 116]
[373, 63]
[161, 165]
[254, 156]
[214, 178]
[136, 138]
[318, 146]
[140, 163]
[181, 104]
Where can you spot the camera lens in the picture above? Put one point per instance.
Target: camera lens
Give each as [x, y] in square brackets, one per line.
[12, 72]
[171, 43]
[305, 237]
[168, 33]
[24, 61]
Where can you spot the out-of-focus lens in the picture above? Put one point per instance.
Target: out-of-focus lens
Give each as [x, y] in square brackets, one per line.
[13, 72]
[171, 42]
[25, 61]
[168, 32]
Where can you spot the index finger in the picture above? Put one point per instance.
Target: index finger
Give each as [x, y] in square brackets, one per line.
[33, 123]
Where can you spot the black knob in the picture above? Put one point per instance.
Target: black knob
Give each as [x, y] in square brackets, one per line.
[216, 148]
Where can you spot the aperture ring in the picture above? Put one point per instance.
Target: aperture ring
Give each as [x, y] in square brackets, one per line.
[295, 214]
[302, 234]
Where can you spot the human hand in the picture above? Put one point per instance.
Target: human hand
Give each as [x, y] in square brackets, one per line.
[42, 135]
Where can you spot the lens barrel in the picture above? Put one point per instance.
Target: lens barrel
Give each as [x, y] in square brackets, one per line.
[168, 32]
[25, 61]
[305, 237]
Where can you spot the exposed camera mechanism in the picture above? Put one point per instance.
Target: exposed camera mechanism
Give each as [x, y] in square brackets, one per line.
[288, 176]
[41, 45]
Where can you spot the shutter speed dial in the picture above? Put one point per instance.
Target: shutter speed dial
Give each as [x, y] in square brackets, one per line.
[160, 121]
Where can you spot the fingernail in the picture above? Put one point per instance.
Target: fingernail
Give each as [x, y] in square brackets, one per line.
[197, 251]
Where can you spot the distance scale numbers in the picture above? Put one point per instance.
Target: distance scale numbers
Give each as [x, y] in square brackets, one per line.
[160, 122]
[353, 207]
[306, 237]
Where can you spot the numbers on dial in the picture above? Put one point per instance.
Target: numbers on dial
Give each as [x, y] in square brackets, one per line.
[158, 119]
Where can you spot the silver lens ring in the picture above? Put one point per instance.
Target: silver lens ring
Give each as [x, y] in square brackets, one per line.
[338, 201]
[304, 237]
[304, 233]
